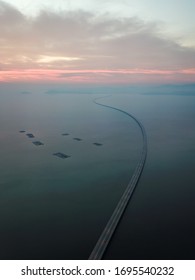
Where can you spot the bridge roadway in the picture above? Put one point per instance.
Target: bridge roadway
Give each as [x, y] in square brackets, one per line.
[114, 220]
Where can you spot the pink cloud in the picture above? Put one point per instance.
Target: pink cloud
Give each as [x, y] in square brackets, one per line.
[81, 47]
[99, 75]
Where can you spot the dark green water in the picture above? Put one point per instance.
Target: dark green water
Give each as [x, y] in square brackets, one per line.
[159, 221]
[52, 208]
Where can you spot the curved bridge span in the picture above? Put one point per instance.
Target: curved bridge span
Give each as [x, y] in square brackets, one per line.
[109, 230]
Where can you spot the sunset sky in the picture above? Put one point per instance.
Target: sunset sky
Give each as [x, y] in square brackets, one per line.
[97, 41]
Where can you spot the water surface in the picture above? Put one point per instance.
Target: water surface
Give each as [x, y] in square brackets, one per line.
[54, 208]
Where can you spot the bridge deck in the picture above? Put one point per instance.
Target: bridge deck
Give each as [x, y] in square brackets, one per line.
[108, 231]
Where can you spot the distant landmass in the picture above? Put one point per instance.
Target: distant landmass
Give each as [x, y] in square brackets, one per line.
[172, 89]
[25, 92]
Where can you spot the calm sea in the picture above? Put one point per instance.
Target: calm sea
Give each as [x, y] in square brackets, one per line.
[55, 208]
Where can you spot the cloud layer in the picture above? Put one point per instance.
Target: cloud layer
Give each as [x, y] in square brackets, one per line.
[80, 46]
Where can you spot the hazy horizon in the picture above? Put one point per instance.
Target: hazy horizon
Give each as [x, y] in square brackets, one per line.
[65, 160]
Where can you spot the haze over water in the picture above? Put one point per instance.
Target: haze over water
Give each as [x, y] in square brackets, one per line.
[57, 194]
[53, 208]
[48, 204]
[159, 221]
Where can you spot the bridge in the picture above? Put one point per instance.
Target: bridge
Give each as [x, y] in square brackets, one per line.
[114, 220]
